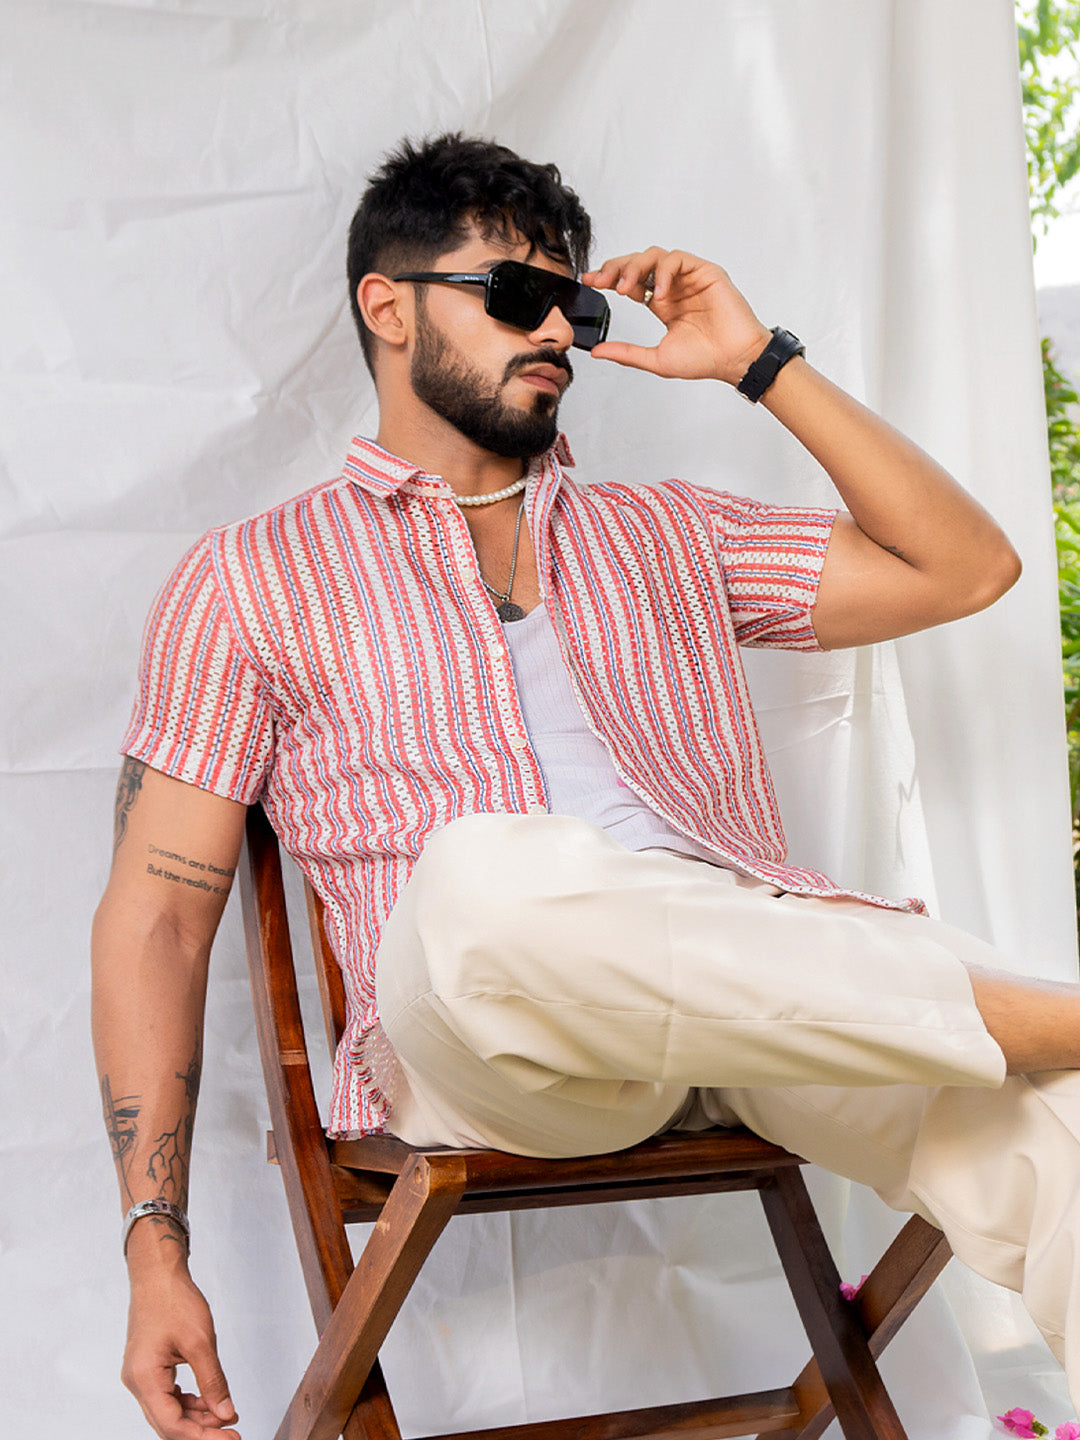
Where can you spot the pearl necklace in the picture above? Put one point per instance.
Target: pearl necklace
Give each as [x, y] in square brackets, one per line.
[514, 489]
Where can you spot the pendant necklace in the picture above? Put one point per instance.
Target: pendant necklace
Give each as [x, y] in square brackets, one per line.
[506, 609]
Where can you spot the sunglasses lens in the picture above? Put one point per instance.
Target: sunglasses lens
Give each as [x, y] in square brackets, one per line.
[587, 312]
[590, 322]
[521, 295]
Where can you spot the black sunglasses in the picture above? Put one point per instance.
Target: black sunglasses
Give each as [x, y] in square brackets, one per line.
[522, 296]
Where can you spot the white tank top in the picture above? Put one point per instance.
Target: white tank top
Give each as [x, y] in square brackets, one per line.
[577, 769]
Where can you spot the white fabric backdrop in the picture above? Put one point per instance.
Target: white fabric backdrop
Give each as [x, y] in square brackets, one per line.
[177, 178]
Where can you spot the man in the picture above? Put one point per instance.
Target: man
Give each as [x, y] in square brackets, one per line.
[498, 717]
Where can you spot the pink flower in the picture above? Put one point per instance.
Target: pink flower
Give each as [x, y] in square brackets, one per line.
[1020, 1422]
[849, 1291]
[1023, 1423]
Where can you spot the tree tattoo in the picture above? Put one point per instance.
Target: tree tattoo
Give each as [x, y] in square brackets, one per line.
[169, 1160]
[127, 792]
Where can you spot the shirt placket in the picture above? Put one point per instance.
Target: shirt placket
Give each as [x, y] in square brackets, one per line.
[530, 793]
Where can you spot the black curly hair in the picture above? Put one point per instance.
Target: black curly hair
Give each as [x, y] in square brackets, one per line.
[421, 200]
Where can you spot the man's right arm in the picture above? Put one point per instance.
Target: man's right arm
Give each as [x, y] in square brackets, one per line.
[175, 849]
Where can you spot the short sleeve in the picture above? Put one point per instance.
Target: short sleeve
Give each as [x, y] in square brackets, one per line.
[771, 557]
[201, 713]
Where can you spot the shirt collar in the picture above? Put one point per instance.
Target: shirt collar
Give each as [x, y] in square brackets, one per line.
[374, 469]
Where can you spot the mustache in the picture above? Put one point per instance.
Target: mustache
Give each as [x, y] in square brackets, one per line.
[539, 357]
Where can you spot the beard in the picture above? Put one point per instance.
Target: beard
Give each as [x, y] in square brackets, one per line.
[445, 381]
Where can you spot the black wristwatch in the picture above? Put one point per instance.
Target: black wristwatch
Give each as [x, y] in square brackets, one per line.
[783, 346]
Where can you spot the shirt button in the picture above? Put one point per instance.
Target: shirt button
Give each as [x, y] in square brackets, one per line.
[518, 742]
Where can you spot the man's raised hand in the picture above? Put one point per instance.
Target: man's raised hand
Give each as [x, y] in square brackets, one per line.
[711, 331]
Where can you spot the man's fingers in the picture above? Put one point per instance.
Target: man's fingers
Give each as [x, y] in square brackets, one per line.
[190, 1402]
[213, 1387]
[170, 1415]
[627, 274]
[669, 267]
[175, 1415]
[664, 273]
[672, 283]
[196, 1408]
[638, 357]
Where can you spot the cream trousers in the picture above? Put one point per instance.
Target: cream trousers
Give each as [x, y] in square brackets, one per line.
[550, 993]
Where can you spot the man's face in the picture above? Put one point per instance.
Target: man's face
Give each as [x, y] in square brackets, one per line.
[499, 386]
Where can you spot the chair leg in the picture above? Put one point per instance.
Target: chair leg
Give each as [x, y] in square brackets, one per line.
[891, 1291]
[424, 1197]
[373, 1415]
[900, 1279]
[832, 1324]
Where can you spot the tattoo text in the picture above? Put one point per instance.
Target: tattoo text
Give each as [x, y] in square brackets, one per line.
[196, 881]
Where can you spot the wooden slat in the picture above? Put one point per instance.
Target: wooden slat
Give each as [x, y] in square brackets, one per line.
[832, 1325]
[890, 1292]
[900, 1279]
[300, 1142]
[711, 1163]
[327, 971]
[771, 1412]
[361, 1197]
[373, 1415]
[678, 1153]
[420, 1204]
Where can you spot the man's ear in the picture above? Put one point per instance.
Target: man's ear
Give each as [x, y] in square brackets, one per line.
[386, 311]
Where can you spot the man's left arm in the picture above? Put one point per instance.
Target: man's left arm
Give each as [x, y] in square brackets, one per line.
[915, 549]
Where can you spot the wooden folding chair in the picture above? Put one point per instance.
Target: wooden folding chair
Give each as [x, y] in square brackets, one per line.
[413, 1193]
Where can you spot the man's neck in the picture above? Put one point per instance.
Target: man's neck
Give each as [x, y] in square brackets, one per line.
[426, 440]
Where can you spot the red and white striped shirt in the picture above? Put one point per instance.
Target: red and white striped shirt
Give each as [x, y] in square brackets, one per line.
[337, 657]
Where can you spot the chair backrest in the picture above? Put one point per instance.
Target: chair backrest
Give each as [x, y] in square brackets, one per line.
[327, 969]
[298, 1141]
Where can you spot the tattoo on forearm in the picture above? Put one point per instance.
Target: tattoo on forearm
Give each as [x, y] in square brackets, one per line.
[199, 880]
[127, 792]
[169, 1160]
[121, 1122]
[895, 550]
[170, 1230]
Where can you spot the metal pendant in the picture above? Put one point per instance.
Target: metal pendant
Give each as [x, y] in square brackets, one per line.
[509, 611]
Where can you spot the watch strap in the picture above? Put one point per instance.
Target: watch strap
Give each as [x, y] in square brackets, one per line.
[783, 346]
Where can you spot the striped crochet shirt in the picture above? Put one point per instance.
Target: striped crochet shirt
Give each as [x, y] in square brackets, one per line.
[338, 659]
